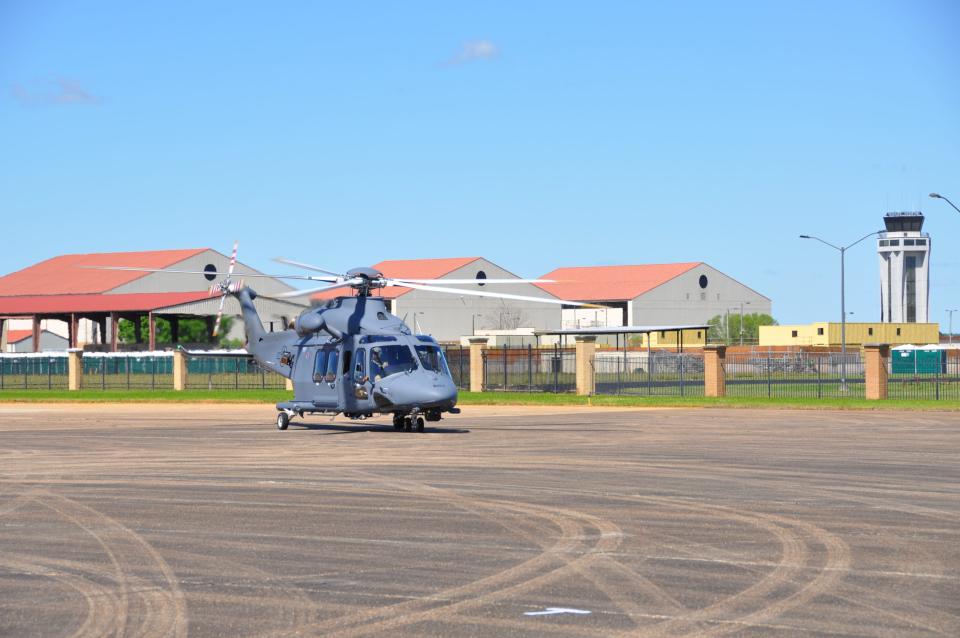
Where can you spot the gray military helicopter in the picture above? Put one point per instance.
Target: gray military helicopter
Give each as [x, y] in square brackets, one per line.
[350, 355]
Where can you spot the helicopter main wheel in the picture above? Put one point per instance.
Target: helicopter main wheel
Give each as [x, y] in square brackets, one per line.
[283, 420]
[419, 424]
[397, 422]
[408, 424]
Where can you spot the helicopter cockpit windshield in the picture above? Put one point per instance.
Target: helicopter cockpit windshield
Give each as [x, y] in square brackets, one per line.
[387, 360]
[431, 358]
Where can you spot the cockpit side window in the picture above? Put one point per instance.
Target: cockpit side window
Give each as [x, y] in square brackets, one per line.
[387, 360]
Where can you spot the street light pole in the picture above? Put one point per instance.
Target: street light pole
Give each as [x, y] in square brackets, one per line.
[843, 303]
[741, 320]
[939, 196]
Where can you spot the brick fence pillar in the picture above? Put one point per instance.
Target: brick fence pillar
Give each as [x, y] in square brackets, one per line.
[74, 369]
[714, 375]
[875, 357]
[586, 347]
[179, 370]
[476, 362]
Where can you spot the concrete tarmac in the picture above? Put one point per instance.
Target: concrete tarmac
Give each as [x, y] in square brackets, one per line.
[203, 520]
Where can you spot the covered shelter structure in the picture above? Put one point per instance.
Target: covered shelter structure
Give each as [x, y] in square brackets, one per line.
[91, 302]
[654, 335]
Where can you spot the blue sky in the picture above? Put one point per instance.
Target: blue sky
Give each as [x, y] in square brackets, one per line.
[536, 134]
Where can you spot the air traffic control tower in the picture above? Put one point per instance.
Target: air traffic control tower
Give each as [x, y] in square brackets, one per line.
[904, 269]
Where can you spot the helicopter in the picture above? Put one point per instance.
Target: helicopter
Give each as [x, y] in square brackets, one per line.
[350, 355]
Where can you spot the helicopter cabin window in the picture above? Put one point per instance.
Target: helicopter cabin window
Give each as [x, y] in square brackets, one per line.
[431, 358]
[320, 366]
[346, 362]
[333, 357]
[388, 360]
[382, 316]
[359, 367]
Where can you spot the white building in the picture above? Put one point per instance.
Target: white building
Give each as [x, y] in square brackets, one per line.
[651, 294]
[904, 253]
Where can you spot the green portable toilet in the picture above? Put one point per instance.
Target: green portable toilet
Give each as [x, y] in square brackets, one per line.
[914, 360]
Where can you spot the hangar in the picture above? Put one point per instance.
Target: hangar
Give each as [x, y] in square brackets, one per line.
[651, 294]
[63, 294]
[448, 317]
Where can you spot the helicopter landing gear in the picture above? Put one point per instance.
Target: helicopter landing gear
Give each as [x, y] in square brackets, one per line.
[283, 420]
[407, 422]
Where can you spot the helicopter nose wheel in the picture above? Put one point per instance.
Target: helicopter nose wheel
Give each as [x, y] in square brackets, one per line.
[398, 422]
[419, 424]
[283, 420]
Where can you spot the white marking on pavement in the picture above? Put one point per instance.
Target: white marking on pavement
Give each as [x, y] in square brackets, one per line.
[550, 611]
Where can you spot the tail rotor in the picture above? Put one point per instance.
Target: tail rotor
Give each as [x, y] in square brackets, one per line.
[225, 287]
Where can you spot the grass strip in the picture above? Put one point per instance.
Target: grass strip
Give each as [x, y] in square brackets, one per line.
[144, 396]
[483, 398]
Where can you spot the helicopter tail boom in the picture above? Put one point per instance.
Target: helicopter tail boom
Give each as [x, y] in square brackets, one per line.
[251, 319]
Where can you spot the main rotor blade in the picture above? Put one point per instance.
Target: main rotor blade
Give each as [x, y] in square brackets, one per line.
[300, 264]
[210, 272]
[478, 293]
[476, 281]
[313, 291]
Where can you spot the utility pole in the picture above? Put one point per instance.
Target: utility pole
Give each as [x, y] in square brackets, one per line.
[843, 303]
[950, 312]
[741, 320]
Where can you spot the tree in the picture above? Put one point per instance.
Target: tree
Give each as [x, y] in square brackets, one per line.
[726, 328]
[191, 331]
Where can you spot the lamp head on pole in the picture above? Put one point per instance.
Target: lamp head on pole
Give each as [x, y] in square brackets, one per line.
[936, 195]
[804, 236]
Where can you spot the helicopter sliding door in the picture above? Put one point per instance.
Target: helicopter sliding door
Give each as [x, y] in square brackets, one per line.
[359, 399]
[322, 387]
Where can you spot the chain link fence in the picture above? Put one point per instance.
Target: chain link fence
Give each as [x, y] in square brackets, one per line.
[29, 371]
[230, 372]
[940, 381]
[127, 371]
[529, 369]
[458, 360]
[794, 375]
[648, 373]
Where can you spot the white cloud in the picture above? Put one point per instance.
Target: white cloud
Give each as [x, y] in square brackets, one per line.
[60, 92]
[474, 50]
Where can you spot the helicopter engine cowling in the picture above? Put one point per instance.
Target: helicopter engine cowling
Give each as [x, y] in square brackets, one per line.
[308, 323]
[312, 321]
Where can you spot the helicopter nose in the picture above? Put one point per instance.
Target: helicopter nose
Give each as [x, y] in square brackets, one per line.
[438, 390]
